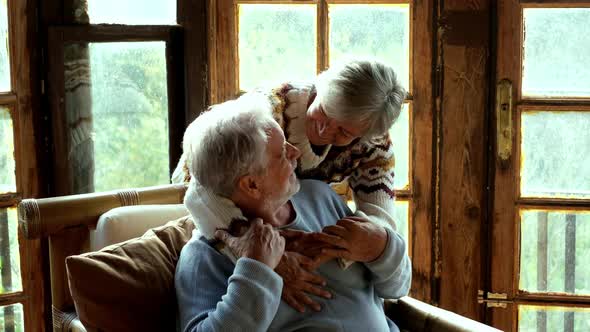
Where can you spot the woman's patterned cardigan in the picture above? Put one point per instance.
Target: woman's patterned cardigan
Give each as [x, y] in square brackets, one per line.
[367, 166]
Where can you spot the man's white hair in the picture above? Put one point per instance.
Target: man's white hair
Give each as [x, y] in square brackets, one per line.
[229, 141]
[365, 91]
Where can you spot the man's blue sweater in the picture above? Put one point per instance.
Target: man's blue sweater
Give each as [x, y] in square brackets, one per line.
[216, 295]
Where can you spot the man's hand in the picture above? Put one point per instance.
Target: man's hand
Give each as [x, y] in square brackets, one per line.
[299, 281]
[260, 242]
[355, 239]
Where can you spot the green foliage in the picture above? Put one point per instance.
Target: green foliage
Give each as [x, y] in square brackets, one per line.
[7, 175]
[531, 245]
[13, 315]
[130, 108]
[4, 63]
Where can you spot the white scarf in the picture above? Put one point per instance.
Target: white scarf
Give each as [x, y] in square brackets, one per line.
[211, 212]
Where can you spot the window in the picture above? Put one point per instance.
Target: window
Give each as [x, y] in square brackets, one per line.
[12, 294]
[280, 42]
[260, 43]
[117, 96]
[542, 203]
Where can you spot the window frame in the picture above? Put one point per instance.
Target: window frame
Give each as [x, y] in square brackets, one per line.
[59, 36]
[504, 263]
[20, 102]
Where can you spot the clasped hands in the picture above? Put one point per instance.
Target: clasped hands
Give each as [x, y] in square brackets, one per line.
[295, 255]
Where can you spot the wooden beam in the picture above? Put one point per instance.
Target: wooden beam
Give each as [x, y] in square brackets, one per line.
[192, 16]
[555, 203]
[555, 4]
[423, 151]
[8, 98]
[12, 298]
[542, 244]
[504, 262]
[548, 299]
[463, 173]
[25, 48]
[323, 36]
[223, 50]
[118, 33]
[554, 105]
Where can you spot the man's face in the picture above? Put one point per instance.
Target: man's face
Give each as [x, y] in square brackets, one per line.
[280, 182]
[323, 130]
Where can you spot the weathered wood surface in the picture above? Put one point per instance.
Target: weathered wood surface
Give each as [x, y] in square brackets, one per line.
[422, 152]
[503, 245]
[463, 169]
[26, 85]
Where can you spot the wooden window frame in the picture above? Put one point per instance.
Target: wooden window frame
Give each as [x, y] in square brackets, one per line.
[20, 102]
[505, 242]
[59, 36]
[223, 81]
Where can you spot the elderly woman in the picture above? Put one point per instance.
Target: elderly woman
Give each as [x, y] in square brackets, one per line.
[340, 125]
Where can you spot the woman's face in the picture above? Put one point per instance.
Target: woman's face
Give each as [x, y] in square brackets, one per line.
[323, 130]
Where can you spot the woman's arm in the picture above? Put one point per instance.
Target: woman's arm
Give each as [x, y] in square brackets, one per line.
[372, 182]
[392, 271]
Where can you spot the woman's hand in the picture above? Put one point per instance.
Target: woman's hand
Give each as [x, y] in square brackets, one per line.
[355, 239]
[299, 281]
[309, 244]
[260, 242]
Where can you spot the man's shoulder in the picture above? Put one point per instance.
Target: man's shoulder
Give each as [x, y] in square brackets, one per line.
[198, 249]
[311, 187]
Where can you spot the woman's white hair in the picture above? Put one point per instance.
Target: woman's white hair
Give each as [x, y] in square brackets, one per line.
[229, 141]
[365, 91]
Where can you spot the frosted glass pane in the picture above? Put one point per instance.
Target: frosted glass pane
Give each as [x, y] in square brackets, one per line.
[555, 251]
[9, 254]
[555, 154]
[276, 43]
[7, 176]
[132, 11]
[556, 52]
[130, 114]
[401, 217]
[4, 52]
[380, 31]
[400, 137]
[12, 318]
[553, 319]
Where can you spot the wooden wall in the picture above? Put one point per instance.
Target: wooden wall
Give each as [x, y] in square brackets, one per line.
[464, 67]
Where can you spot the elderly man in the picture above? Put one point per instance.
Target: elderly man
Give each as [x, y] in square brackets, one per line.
[243, 169]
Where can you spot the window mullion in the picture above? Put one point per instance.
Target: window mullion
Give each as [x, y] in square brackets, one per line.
[323, 35]
[7, 98]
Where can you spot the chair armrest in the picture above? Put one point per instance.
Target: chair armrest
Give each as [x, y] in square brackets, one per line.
[415, 316]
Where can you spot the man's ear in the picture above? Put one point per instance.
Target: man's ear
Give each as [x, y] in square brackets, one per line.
[249, 186]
